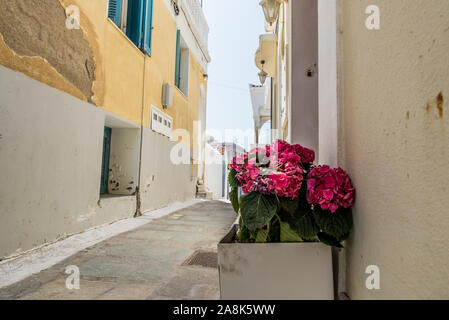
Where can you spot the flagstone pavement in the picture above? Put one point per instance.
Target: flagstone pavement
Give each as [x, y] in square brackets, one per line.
[145, 263]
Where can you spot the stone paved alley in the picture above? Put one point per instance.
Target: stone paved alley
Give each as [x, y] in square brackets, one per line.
[144, 263]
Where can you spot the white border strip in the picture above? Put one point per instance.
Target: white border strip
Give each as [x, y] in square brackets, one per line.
[34, 261]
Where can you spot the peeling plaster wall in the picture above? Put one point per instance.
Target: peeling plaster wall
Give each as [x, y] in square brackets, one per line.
[394, 142]
[124, 161]
[50, 165]
[37, 28]
[37, 68]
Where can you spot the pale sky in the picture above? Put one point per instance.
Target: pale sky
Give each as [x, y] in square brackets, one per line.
[235, 26]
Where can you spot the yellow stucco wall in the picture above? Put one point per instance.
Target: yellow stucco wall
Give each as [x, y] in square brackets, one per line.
[119, 67]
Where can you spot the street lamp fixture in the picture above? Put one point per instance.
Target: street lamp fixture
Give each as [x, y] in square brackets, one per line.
[263, 75]
[271, 10]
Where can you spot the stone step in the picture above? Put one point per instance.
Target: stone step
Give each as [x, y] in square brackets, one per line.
[205, 195]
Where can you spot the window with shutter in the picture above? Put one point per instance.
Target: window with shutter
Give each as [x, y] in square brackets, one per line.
[105, 160]
[134, 21]
[148, 26]
[178, 59]
[135, 18]
[182, 64]
[115, 11]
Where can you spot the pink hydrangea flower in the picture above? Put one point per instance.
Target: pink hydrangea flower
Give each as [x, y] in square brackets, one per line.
[286, 184]
[238, 162]
[307, 155]
[330, 188]
[275, 169]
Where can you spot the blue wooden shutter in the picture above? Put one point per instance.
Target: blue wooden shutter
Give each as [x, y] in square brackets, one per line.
[178, 59]
[105, 160]
[115, 11]
[134, 21]
[148, 26]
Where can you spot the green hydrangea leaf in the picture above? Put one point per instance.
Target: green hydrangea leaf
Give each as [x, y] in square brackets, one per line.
[262, 236]
[234, 196]
[288, 234]
[337, 224]
[243, 232]
[329, 240]
[289, 205]
[304, 224]
[233, 181]
[257, 210]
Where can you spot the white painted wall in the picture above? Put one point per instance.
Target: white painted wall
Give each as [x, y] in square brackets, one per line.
[394, 142]
[51, 152]
[327, 82]
[162, 181]
[214, 171]
[124, 161]
[50, 165]
[304, 90]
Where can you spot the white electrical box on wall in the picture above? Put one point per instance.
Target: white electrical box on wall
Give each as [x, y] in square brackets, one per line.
[167, 95]
[161, 122]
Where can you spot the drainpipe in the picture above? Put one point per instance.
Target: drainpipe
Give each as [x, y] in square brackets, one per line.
[138, 212]
[274, 126]
[256, 133]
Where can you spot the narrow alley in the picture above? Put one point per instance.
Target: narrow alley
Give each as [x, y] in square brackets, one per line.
[224, 151]
[173, 257]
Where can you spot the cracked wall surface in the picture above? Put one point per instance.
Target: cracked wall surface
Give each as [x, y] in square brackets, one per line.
[37, 28]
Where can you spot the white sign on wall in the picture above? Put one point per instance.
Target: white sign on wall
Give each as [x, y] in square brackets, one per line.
[161, 122]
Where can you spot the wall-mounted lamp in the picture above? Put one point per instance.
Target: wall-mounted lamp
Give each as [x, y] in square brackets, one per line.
[167, 95]
[205, 76]
[271, 10]
[262, 75]
[175, 6]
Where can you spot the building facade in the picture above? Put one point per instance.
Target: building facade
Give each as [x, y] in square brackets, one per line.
[227, 150]
[103, 108]
[365, 86]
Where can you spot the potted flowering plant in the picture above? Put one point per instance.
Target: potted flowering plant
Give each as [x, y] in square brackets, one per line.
[291, 213]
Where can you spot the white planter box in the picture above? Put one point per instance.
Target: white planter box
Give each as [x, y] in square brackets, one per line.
[274, 271]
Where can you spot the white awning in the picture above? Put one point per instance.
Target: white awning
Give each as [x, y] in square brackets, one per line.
[261, 103]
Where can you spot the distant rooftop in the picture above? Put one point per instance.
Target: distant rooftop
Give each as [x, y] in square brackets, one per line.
[222, 147]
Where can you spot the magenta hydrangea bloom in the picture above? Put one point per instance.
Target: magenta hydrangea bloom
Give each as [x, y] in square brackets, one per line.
[330, 188]
[275, 169]
[286, 184]
[307, 155]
